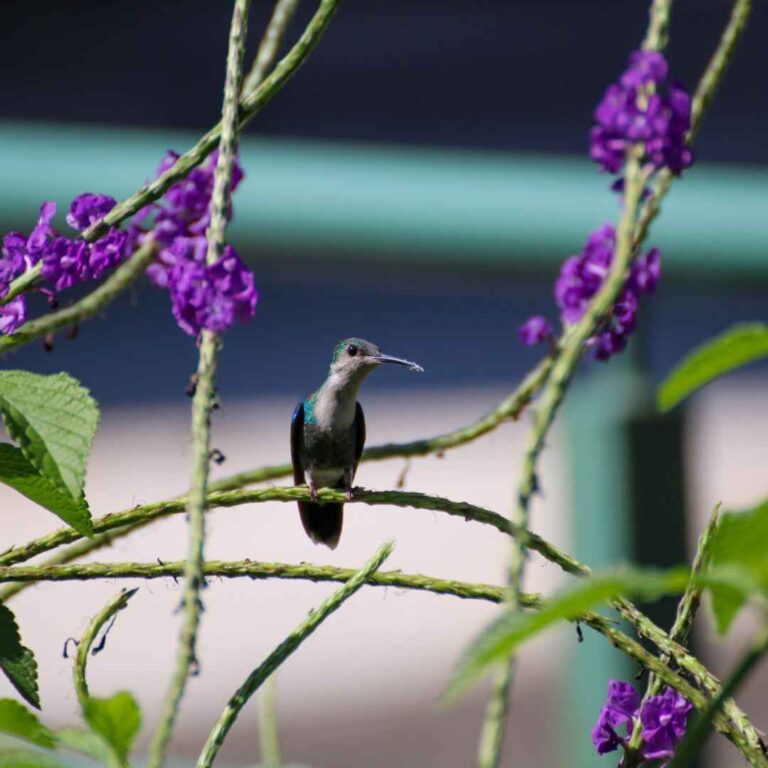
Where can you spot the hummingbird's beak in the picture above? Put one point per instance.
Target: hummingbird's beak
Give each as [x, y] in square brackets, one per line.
[389, 359]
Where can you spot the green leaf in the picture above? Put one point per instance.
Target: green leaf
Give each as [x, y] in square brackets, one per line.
[511, 629]
[24, 758]
[17, 720]
[736, 347]
[16, 661]
[53, 420]
[20, 475]
[740, 545]
[86, 742]
[116, 719]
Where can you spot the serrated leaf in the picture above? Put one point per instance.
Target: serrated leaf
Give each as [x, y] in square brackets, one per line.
[116, 719]
[17, 720]
[733, 349]
[20, 475]
[53, 420]
[17, 661]
[740, 544]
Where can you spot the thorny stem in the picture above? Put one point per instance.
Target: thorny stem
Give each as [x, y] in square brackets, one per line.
[642, 624]
[391, 579]
[282, 652]
[698, 733]
[269, 734]
[686, 613]
[205, 394]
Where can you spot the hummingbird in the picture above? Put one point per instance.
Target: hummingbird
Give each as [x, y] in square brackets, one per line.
[328, 434]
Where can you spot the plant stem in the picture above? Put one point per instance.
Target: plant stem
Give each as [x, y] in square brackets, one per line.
[271, 40]
[686, 613]
[250, 104]
[149, 512]
[205, 394]
[126, 274]
[697, 734]
[116, 604]
[282, 652]
[269, 735]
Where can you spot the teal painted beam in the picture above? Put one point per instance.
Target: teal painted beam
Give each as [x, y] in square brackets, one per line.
[313, 199]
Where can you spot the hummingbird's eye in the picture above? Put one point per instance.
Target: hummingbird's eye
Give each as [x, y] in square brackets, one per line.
[352, 350]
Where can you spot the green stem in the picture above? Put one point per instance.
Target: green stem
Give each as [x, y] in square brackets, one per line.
[126, 274]
[250, 104]
[23, 283]
[148, 512]
[686, 613]
[269, 735]
[282, 652]
[271, 40]
[699, 731]
[205, 394]
[495, 716]
[116, 604]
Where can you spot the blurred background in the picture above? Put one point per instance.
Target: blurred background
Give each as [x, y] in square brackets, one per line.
[417, 184]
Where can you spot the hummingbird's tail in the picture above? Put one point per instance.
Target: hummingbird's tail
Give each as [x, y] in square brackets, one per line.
[322, 522]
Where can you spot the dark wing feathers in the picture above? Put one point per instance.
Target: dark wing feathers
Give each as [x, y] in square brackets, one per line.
[359, 433]
[297, 436]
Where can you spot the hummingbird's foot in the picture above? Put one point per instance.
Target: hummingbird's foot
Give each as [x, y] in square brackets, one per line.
[349, 495]
[312, 492]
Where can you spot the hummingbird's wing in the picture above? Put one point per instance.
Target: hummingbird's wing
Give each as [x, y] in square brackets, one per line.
[359, 433]
[297, 437]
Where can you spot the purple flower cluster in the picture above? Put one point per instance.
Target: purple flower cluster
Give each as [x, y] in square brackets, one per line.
[663, 718]
[581, 277]
[642, 109]
[203, 296]
[65, 261]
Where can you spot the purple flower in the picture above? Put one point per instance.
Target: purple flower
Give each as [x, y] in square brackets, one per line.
[636, 110]
[664, 718]
[208, 296]
[107, 252]
[65, 262]
[582, 276]
[535, 330]
[42, 233]
[620, 708]
[13, 314]
[88, 208]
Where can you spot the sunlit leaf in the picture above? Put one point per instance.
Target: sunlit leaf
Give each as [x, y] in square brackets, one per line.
[740, 544]
[20, 475]
[738, 346]
[53, 420]
[17, 720]
[116, 719]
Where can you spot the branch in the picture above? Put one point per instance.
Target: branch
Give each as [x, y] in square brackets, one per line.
[126, 274]
[205, 393]
[250, 104]
[686, 613]
[282, 652]
[271, 40]
[698, 733]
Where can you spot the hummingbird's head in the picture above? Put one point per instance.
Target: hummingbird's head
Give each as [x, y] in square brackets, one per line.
[355, 358]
